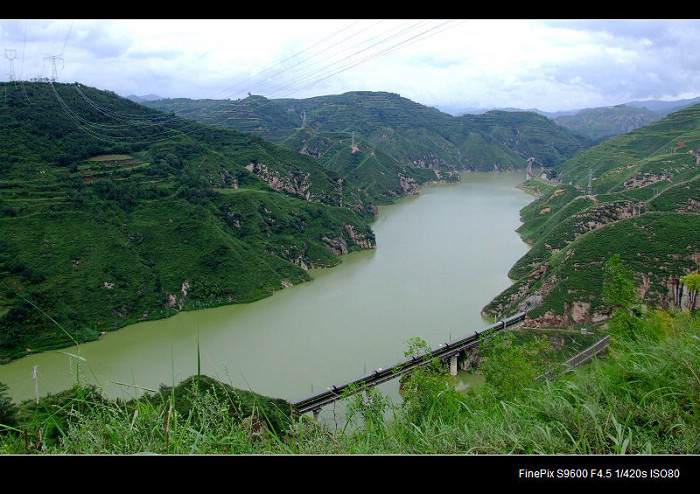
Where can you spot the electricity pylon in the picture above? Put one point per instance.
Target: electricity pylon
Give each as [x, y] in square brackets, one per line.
[54, 72]
[11, 55]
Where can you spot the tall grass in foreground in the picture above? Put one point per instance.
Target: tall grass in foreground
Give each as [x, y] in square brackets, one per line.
[642, 398]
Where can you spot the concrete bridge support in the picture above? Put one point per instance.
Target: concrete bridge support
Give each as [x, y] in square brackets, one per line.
[453, 364]
[463, 360]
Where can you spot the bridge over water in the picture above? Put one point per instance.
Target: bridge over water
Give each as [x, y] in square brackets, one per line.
[449, 351]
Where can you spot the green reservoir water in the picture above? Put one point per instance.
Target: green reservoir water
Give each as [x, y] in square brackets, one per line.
[440, 258]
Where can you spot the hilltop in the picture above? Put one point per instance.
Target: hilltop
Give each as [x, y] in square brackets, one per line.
[600, 124]
[644, 205]
[585, 126]
[411, 135]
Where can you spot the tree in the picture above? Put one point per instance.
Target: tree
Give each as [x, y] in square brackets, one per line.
[619, 290]
[621, 296]
[8, 410]
[427, 391]
[369, 405]
[692, 281]
[510, 366]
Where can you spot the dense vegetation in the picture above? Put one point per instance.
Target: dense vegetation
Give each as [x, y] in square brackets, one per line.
[112, 213]
[384, 122]
[644, 205]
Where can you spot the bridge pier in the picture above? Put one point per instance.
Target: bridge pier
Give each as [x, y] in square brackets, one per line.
[453, 364]
[316, 412]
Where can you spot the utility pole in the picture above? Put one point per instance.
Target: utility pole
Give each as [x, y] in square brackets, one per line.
[36, 384]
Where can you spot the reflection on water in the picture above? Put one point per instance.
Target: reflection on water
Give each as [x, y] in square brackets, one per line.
[440, 258]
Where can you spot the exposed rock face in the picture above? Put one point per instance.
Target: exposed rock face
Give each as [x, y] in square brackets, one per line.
[408, 185]
[337, 245]
[678, 294]
[644, 179]
[577, 313]
[296, 184]
[172, 300]
[665, 293]
[359, 239]
[696, 154]
[183, 294]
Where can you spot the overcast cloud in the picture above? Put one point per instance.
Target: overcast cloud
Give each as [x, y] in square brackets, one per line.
[548, 64]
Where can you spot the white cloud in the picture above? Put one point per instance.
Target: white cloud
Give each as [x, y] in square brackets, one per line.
[551, 65]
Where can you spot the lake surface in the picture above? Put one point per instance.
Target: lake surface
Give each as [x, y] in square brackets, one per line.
[440, 258]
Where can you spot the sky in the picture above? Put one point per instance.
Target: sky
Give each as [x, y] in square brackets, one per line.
[548, 64]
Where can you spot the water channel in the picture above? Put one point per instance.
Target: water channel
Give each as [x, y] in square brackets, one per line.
[440, 257]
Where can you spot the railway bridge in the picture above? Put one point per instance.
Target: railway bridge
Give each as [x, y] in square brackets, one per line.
[447, 352]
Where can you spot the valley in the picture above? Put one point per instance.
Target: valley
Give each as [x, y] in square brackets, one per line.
[184, 245]
[105, 226]
[439, 257]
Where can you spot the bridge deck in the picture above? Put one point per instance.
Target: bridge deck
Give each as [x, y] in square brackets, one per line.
[381, 375]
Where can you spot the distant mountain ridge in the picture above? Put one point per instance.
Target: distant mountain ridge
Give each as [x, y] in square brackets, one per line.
[141, 99]
[659, 106]
[415, 136]
[592, 125]
[601, 123]
[662, 107]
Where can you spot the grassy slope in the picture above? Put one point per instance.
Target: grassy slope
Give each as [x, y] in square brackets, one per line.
[414, 135]
[102, 232]
[645, 207]
[641, 398]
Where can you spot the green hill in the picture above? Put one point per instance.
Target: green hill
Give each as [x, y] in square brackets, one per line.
[600, 124]
[415, 136]
[645, 206]
[112, 213]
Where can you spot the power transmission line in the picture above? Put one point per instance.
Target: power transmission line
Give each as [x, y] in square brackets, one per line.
[359, 49]
[332, 59]
[369, 57]
[290, 58]
[405, 33]
[321, 60]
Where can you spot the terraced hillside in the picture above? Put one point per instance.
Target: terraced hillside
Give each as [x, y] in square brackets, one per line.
[645, 206]
[112, 213]
[388, 142]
